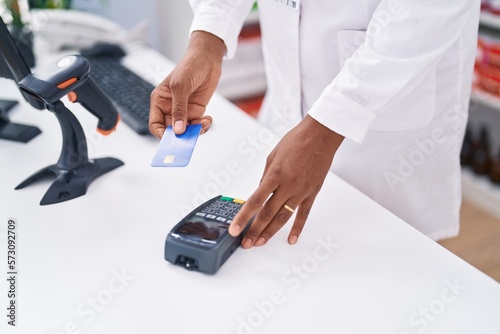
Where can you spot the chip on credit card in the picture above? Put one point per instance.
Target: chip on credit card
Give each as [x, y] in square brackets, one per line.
[176, 150]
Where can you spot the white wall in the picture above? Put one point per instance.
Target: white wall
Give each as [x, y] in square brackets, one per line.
[128, 13]
[176, 16]
[169, 20]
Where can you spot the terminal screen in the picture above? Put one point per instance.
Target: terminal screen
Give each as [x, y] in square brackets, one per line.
[202, 230]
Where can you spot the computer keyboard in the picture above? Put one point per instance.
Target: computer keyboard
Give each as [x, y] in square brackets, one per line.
[129, 92]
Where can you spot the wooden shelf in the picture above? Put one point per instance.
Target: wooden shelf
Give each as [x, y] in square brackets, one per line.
[477, 189]
[485, 99]
[490, 20]
[481, 191]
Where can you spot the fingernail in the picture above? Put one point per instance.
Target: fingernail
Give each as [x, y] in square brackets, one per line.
[293, 239]
[234, 230]
[260, 242]
[247, 243]
[178, 126]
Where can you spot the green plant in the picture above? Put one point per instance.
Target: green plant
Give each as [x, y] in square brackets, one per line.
[66, 4]
[13, 8]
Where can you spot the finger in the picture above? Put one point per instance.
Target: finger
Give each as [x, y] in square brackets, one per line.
[265, 215]
[180, 95]
[157, 129]
[205, 122]
[270, 212]
[281, 218]
[157, 114]
[300, 219]
[251, 206]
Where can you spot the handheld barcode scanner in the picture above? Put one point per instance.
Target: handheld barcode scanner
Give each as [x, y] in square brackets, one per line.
[69, 75]
[66, 76]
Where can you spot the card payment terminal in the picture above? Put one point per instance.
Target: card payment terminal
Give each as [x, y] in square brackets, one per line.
[201, 240]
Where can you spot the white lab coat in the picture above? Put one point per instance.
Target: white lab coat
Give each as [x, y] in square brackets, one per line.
[392, 76]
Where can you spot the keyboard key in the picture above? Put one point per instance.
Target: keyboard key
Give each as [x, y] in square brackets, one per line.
[129, 92]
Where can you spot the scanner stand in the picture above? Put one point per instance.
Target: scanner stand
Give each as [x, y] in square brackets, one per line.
[74, 171]
[12, 131]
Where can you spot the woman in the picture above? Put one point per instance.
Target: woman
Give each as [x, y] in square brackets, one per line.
[379, 87]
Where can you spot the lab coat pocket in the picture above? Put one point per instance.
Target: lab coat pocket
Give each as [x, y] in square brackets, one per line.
[413, 110]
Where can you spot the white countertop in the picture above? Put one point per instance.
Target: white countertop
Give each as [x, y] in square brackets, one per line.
[95, 264]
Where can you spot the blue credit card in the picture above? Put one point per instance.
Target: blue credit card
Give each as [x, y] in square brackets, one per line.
[176, 150]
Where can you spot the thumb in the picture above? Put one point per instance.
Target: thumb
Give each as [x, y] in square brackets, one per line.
[179, 110]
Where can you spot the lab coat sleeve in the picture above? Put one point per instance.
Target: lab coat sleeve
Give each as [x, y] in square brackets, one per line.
[404, 42]
[223, 18]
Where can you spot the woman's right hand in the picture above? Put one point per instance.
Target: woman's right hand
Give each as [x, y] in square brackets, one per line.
[181, 98]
